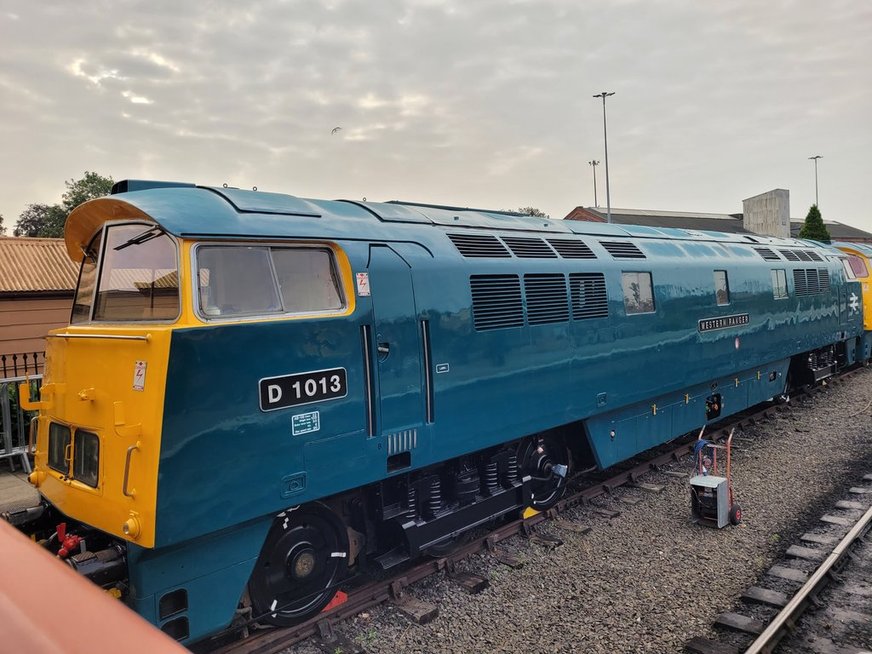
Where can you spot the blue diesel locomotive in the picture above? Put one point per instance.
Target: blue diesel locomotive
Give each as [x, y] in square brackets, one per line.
[259, 393]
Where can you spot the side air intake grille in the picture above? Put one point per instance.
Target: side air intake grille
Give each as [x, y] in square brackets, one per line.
[546, 298]
[571, 249]
[799, 282]
[479, 245]
[824, 279]
[766, 253]
[529, 248]
[813, 256]
[622, 250]
[496, 301]
[588, 294]
[790, 255]
[810, 281]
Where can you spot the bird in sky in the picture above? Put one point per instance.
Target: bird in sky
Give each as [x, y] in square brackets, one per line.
[335, 130]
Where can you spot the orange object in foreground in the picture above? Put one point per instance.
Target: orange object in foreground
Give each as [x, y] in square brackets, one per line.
[45, 607]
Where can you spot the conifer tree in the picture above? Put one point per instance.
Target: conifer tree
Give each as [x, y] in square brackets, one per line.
[813, 228]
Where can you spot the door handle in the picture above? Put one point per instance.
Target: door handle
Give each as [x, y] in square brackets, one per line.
[383, 349]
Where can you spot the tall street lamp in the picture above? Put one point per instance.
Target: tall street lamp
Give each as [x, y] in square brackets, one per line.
[604, 95]
[815, 159]
[594, 164]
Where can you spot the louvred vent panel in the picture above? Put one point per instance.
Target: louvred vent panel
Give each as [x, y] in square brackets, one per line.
[529, 248]
[622, 250]
[546, 298]
[479, 246]
[588, 294]
[496, 301]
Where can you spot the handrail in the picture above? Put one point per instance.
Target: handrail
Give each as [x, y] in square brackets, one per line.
[130, 451]
[114, 337]
[31, 434]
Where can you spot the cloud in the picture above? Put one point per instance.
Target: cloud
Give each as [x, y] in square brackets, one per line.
[485, 104]
[136, 99]
[95, 74]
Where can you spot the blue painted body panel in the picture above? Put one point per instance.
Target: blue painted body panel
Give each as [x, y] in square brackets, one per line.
[213, 571]
[224, 463]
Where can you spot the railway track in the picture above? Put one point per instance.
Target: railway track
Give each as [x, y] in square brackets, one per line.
[364, 593]
[840, 559]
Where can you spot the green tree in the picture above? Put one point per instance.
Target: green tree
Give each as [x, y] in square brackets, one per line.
[41, 220]
[91, 186]
[532, 211]
[2, 228]
[47, 220]
[813, 228]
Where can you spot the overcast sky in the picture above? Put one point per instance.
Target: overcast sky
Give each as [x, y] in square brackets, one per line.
[483, 104]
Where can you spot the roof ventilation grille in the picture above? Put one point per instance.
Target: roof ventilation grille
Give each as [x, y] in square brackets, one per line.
[529, 248]
[622, 250]
[571, 249]
[790, 255]
[479, 246]
[803, 255]
[768, 254]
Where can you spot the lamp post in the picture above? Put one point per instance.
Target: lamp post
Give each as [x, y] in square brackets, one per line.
[604, 95]
[594, 164]
[815, 159]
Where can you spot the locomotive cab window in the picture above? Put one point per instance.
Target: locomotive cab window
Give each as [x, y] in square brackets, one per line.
[858, 266]
[241, 281]
[58, 448]
[139, 275]
[779, 284]
[86, 457]
[638, 292]
[722, 288]
[87, 281]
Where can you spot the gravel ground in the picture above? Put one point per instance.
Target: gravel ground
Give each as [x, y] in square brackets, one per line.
[844, 620]
[650, 579]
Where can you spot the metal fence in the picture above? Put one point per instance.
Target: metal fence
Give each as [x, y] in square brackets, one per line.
[25, 363]
[15, 421]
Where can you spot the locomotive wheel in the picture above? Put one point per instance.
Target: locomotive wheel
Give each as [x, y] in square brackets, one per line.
[537, 456]
[305, 555]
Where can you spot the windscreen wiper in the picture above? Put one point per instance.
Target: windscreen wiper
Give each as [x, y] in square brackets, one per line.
[139, 239]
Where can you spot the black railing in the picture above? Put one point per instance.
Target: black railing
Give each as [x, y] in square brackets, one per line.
[21, 365]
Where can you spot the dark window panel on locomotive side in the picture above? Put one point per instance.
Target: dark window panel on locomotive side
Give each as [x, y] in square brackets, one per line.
[722, 288]
[638, 292]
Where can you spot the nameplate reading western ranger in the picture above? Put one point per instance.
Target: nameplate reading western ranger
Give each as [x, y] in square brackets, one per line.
[722, 322]
[302, 388]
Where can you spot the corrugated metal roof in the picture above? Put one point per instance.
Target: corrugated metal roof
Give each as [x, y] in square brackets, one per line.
[33, 265]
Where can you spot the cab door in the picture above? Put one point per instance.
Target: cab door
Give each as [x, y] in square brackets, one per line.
[397, 352]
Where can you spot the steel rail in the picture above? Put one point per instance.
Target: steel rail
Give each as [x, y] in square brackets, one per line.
[786, 618]
[273, 640]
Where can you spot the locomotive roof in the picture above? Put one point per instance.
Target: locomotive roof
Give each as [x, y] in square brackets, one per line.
[191, 211]
[865, 248]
